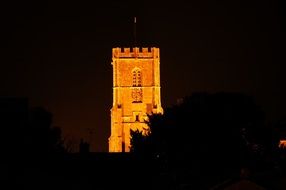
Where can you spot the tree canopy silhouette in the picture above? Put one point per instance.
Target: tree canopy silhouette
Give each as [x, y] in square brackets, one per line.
[43, 138]
[208, 136]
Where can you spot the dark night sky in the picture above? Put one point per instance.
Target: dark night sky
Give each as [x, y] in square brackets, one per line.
[59, 54]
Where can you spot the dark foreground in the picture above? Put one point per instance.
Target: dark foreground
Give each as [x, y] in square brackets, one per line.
[111, 171]
[93, 171]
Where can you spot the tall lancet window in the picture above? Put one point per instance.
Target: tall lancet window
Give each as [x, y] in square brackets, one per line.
[137, 84]
[137, 77]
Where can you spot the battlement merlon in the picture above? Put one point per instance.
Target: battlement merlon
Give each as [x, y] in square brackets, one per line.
[135, 52]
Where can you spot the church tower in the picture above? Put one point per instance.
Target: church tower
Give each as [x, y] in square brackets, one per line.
[136, 93]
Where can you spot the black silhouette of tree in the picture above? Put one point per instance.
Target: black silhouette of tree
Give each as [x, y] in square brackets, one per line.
[207, 138]
[70, 144]
[13, 125]
[43, 138]
[84, 147]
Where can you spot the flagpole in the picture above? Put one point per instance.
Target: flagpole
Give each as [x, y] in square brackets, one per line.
[135, 37]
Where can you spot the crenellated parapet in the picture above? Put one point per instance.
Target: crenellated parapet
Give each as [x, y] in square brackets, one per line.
[135, 52]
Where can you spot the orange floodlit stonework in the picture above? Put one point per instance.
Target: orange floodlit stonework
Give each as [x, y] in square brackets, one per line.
[282, 144]
[136, 93]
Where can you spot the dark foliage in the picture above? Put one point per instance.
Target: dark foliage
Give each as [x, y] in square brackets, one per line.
[43, 138]
[84, 147]
[209, 138]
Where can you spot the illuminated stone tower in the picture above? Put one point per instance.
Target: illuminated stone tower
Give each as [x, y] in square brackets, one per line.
[136, 93]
